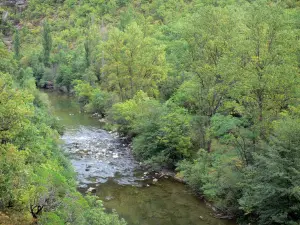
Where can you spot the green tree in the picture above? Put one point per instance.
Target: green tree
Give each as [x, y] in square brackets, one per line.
[272, 188]
[87, 52]
[17, 44]
[270, 78]
[47, 43]
[161, 131]
[208, 58]
[133, 62]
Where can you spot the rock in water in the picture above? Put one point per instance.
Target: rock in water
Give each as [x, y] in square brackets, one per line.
[91, 190]
[108, 198]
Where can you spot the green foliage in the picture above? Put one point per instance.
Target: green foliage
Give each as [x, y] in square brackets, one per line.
[35, 177]
[134, 62]
[272, 186]
[161, 130]
[218, 176]
[17, 44]
[176, 77]
[47, 43]
[7, 63]
[88, 210]
[93, 100]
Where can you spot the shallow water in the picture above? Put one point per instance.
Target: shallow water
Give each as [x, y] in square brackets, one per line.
[103, 161]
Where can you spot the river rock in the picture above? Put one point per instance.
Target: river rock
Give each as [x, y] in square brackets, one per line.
[91, 190]
[63, 89]
[155, 180]
[103, 120]
[108, 198]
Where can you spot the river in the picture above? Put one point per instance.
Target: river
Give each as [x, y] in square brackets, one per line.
[103, 161]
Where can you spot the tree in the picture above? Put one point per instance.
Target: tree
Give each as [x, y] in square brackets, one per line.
[269, 81]
[17, 44]
[87, 52]
[161, 131]
[209, 36]
[133, 62]
[272, 189]
[47, 43]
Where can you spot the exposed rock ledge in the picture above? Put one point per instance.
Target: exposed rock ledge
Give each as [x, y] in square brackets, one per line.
[13, 3]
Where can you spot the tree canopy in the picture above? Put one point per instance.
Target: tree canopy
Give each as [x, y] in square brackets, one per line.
[208, 88]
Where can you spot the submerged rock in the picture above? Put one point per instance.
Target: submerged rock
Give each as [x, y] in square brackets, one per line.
[108, 198]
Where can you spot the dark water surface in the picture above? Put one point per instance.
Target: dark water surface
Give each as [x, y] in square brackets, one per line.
[103, 161]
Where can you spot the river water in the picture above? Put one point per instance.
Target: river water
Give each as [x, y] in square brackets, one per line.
[103, 161]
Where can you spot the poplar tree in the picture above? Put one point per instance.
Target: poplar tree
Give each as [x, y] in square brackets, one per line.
[17, 44]
[47, 42]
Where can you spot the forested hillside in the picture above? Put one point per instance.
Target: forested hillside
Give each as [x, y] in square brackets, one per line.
[208, 88]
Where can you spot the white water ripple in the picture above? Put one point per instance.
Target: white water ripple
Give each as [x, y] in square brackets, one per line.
[98, 155]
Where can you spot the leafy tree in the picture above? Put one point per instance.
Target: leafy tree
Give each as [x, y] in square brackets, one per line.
[91, 99]
[271, 191]
[209, 35]
[7, 63]
[87, 52]
[133, 62]
[17, 44]
[162, 132]
[47, 42]
[270, 78]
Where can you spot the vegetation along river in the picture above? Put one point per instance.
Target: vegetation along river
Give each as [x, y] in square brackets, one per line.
[104, 162]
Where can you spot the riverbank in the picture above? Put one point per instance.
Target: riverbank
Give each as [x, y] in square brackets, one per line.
[146, 173]
[104, 167]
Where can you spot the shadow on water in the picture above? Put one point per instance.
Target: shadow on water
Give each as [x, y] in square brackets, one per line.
[102, 161]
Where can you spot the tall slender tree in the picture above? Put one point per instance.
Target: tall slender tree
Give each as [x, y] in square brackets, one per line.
[17, 44]
[87, 52]
[47, 42]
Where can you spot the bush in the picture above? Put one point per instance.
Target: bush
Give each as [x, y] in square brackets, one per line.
[161, 131]
[93, 100]
[88, 210]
